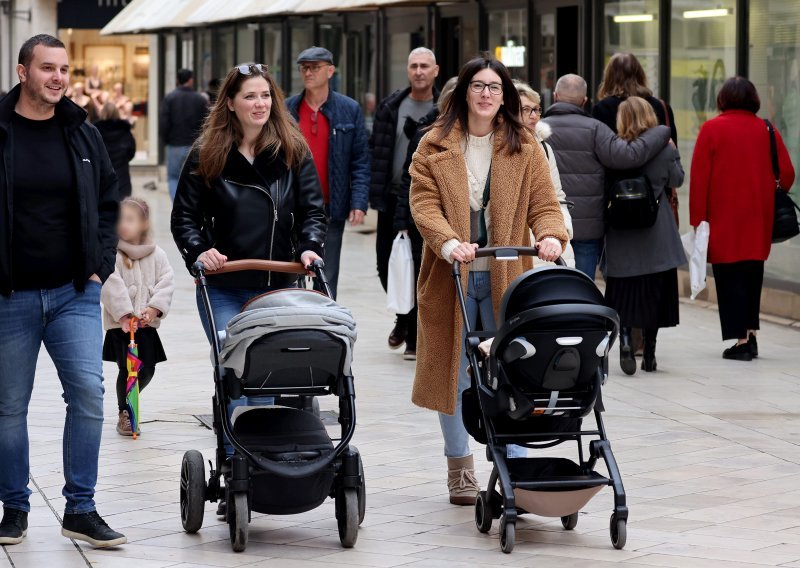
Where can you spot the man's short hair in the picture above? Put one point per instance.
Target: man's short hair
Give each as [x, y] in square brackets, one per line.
[571, 88]
[26, 51]
[184, 76]
[423, 51]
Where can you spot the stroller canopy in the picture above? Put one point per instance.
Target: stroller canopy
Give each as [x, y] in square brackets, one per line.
[289, 309]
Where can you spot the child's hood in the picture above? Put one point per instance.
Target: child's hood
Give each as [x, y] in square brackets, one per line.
[136, 252]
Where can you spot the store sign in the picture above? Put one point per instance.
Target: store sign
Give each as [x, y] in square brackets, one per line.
[88, 14]
[511, 55]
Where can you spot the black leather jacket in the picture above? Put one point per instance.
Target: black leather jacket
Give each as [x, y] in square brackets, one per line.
[263, 210]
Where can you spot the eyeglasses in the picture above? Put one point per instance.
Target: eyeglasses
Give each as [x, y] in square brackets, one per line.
[313, 67]
[528, 112]
[249, 69]
[479, 86]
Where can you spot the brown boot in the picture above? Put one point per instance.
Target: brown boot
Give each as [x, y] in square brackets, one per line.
[461, 481]
[124, 424]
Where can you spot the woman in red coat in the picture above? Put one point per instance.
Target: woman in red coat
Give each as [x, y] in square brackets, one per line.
[733, 188]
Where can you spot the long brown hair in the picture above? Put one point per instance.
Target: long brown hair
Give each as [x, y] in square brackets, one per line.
[635, 115]
[456, 111]
[222, 130]
[624, 77]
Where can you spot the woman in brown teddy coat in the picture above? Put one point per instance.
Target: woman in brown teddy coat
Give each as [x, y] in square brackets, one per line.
[478, 143]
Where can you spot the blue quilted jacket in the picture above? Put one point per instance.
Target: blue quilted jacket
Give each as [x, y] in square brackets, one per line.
[348, 157]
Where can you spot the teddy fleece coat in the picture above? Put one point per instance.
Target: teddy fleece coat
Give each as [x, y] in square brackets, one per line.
[142, 280]
[522, 198]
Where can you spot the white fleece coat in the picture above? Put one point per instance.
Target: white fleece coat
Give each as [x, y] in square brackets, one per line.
[143, 279]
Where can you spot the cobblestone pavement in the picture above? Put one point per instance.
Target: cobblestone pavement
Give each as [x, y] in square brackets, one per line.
[709, 451]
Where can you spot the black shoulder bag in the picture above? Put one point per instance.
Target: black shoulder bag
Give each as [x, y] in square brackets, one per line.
[785, 225]
[479, 233]
[632, 204]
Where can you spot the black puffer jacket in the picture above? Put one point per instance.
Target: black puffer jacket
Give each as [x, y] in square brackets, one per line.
[121, 147]
[381, 145]
[263, 210]
[97, 189]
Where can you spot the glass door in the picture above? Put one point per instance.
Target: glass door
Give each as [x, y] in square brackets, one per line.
[560, 45]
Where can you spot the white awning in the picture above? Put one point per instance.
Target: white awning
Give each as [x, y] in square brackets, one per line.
[150, 15]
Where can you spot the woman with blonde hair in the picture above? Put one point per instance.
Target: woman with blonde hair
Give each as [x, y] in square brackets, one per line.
[642, 263]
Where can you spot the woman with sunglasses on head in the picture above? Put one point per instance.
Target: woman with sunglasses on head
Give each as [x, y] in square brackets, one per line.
[478, 178]
[248, 189]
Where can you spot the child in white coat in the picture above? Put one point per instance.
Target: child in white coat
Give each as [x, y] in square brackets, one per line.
[136, 296]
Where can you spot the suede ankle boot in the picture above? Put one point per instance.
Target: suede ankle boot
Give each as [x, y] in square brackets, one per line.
[461, 481]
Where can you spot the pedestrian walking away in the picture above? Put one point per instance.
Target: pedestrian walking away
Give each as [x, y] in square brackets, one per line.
[584, 147]
[395, 121]
[120, 145]
[179, 123]
[733, 188]
[57, 246]
[333, 126]
[136, 297]
[478, 178]
[642, 263]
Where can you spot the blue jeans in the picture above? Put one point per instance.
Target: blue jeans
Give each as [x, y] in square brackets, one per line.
[68, 323]
[333, 252]
[176, 156]
[587, 255]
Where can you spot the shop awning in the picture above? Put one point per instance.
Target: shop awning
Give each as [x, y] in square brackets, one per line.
[150, 15]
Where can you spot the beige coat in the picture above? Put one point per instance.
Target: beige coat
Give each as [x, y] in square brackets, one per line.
[522, 199]
[143, 278]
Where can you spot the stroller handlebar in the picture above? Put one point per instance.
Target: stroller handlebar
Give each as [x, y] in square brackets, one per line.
[254, 264]
[504, 253]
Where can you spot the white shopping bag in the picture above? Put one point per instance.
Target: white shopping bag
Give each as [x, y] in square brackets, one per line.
[695, 243]
[401, 288]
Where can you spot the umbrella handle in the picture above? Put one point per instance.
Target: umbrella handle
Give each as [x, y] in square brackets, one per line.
[133, 321]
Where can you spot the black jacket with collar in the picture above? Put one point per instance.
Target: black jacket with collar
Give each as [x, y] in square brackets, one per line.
[97, 191]
[381, 144]
[263, 210]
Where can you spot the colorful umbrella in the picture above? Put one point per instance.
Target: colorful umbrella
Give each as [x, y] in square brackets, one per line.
[132, 387]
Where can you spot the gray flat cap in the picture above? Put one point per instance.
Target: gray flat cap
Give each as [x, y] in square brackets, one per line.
[315, 54]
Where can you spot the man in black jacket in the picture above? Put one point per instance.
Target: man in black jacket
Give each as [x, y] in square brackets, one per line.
[397, 116]
[57, 245]
[179, 123]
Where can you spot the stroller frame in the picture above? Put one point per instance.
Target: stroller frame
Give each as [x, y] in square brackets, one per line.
[238, 470]
[492, 504]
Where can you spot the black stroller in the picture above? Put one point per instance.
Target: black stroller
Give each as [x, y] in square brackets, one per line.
[542, 375]
[293, 344]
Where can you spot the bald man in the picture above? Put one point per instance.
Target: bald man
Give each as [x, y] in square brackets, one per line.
[584, 147]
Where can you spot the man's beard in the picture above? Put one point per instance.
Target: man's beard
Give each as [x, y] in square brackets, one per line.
[37, 97]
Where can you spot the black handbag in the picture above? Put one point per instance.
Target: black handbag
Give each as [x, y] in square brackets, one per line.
[785, 225]
[632, 204]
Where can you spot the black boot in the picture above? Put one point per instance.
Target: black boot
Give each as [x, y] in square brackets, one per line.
[626, 358]
[649, 356]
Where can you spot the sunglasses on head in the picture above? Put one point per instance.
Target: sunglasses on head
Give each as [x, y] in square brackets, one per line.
[246, 69]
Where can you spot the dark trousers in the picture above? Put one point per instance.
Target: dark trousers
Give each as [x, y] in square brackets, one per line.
[739, 296]
[145, 376]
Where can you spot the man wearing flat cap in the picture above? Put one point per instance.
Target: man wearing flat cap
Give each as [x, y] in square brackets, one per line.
[333, 126]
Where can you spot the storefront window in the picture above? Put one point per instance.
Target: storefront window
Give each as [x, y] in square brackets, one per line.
[224, 51]
[302, 38]
[271, 38]
[330, 37]
[775, 69]
[508, 38]
[246, 43]
[405, 31]
[632, 26]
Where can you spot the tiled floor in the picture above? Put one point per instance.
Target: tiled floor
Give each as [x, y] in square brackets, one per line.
[709, 450]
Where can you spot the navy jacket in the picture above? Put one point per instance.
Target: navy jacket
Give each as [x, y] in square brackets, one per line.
[348, 154]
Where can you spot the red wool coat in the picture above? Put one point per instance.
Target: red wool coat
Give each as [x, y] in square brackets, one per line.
[733, 188]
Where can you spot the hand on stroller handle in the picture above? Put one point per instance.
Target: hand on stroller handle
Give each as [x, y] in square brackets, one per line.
[505, 253]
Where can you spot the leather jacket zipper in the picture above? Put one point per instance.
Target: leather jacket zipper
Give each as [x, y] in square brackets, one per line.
[266, 192]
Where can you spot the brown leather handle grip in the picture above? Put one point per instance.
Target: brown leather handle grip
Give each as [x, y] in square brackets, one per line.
[260, 265]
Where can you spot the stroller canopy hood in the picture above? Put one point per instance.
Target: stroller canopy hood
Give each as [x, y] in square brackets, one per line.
[289, 309]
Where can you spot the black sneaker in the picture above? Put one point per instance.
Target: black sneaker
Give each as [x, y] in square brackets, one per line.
[751, 341]
[90, 527]
[14, 526]
[741, 352]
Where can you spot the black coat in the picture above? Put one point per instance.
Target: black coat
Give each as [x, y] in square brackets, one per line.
[181, 116]
[381, 145]
[606, 112]
[263, 210]
[97, 191]
[121, 148]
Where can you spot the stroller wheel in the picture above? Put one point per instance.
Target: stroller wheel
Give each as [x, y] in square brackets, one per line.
[362, 493]
[508, 535]
[238, 520]
[193, 491]
[619, 532]
[570, 521]
[483, 513]
[347, 516]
